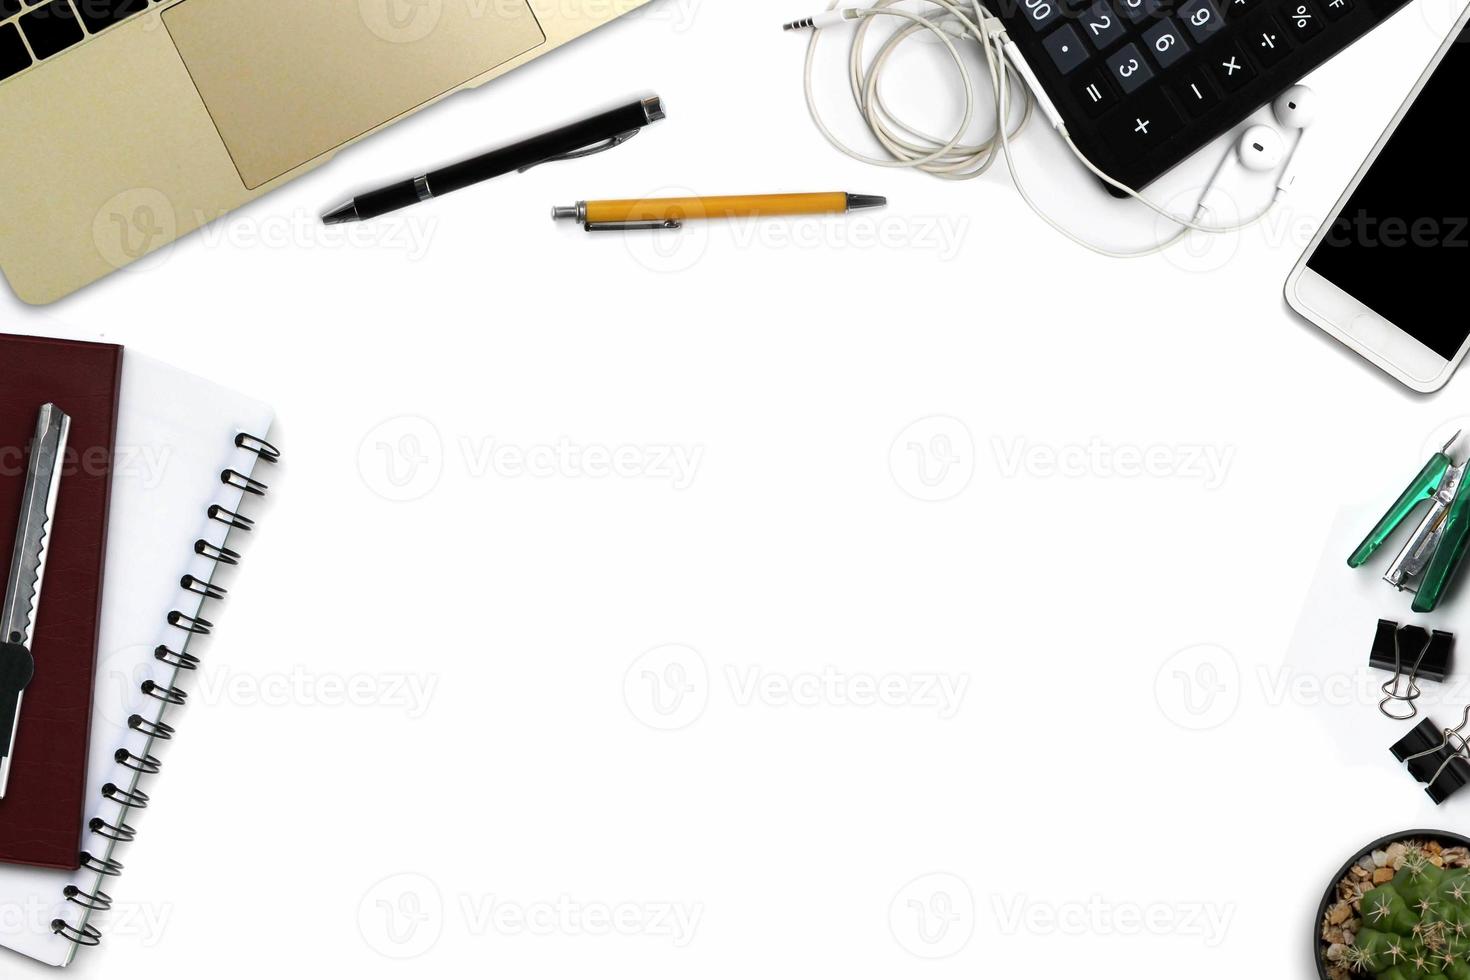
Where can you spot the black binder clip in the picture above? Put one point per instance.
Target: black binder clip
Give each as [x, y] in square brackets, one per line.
[1435, 757]
[1412, 653]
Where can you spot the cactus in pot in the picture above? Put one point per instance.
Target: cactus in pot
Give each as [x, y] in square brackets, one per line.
[1416, 926]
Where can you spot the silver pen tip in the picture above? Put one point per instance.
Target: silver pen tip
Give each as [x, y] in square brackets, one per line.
[863, 202]
[341, 215]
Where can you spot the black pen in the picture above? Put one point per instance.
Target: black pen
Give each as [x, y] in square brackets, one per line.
[601, 132]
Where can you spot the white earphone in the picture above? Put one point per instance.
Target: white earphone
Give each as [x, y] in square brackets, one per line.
[1296, 108]
[1260, 148]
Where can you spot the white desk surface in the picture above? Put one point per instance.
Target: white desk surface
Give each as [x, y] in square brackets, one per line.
[949, 730]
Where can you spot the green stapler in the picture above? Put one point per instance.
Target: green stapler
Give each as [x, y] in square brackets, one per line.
[1432, 556]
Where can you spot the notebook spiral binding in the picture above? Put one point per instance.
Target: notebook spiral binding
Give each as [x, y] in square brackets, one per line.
[125, 791]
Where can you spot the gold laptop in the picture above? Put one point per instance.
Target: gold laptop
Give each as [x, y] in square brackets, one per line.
[127, 123]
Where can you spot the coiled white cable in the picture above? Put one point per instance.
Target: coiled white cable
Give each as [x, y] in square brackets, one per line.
[909, 147]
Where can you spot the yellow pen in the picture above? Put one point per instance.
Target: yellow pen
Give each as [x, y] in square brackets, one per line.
[672, 212]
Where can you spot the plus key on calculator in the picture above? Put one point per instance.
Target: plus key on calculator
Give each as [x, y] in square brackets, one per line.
[1143, 84]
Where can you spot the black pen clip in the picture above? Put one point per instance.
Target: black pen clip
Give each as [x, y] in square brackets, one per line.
[610, 143]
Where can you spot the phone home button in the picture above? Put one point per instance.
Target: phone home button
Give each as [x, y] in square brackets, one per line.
[1369, 329]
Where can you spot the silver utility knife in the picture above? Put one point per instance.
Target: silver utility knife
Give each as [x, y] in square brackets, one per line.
[27, 568]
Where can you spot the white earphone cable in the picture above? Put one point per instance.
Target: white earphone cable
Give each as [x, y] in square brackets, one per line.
[953, 159]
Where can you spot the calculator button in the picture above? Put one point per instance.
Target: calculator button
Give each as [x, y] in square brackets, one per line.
[1166, 42]
[1137, 10]
[1236, 9]
[1336, 9]
[1267, 42]
[1197, 93]
[1129, 68]
[1201, 18]
[1229, 67]
[1095, 92]
[1148, 121]
[1065, 48]
[1101, 25]
[1040, 13]
[1302, 19]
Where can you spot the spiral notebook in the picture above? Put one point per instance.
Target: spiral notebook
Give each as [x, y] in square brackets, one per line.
[41, 815]
[189, 455]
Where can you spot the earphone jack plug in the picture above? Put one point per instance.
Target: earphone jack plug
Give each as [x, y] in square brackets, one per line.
[827, 18]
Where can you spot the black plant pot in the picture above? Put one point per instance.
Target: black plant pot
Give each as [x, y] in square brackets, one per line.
[1329, 897]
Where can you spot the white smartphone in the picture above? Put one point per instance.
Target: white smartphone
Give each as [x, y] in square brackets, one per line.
[1386, 273]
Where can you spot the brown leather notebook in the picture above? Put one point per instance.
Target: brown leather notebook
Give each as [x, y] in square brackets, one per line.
[42, 812]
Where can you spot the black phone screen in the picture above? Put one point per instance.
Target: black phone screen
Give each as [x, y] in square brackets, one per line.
[1401, 245]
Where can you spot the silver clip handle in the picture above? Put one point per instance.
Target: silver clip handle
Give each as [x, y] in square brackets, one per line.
[663, 225]
[610, 143]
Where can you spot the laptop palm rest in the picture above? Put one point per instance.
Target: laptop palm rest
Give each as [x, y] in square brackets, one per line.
[286, 81]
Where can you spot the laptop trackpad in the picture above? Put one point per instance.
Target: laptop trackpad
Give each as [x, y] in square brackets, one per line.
[288, 80]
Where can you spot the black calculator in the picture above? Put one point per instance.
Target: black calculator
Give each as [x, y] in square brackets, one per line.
[1143, 84]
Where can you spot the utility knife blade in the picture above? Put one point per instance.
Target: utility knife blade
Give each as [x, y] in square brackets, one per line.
[27, 570]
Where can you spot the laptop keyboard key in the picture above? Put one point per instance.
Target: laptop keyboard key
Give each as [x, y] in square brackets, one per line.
[52, 28]
[99, 15]
[13, 54]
